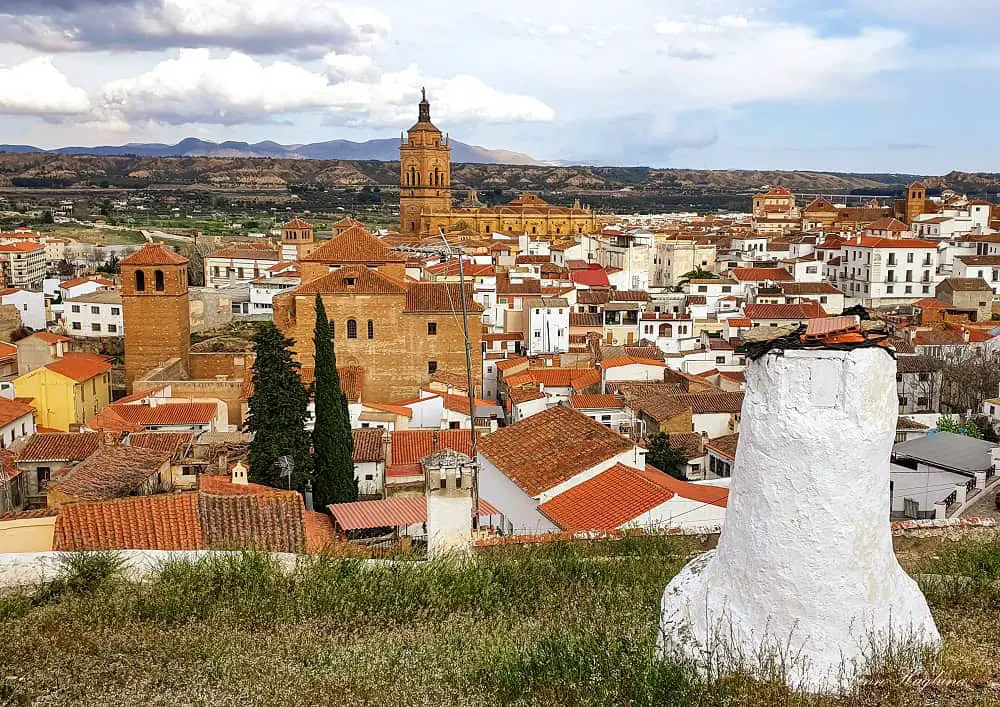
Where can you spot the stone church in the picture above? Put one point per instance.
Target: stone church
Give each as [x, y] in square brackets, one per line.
[425, 201]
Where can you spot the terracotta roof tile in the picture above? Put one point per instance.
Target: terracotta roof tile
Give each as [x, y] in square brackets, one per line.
[80, 367]
[605, 502]
[352, 281]
[160, 441]
[434, 297]
[702, 493]
[388, 512]
[154, 254]
[355, 245]
[138, 415]
[596, 402]
[368, 445]
[352, 382]
[410, 446]
[761, 274]
[299, 224]
[591, 297]
[11, 410]
[110, 472]
[62, 446]
[265, 522]
[247, 251]
[164, 522]
[551, 447]
[800, 311]
[630, 361]
[726, 446]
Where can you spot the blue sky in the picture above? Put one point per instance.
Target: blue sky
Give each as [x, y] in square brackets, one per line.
[859, 85]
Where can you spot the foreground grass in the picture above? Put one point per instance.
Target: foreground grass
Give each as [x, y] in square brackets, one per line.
[561, 624]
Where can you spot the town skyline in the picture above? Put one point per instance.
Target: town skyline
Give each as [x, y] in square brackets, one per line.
[819, 85]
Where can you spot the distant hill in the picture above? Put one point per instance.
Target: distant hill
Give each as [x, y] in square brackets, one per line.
[384, 150]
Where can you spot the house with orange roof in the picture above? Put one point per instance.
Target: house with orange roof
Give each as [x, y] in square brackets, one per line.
[775, 212]
[69, 390]
[23, 264]
[239, 264]
[8, 361]
[879, 271]
[77, 287]
[629, 369]
[40, 348]
[528, 464]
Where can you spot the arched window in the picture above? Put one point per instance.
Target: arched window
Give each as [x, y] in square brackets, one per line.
[352, 329]
[140, 281]
[333, 328]
[158, 280]
[371, 329]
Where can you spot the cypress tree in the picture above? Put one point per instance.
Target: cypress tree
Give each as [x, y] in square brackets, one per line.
[333, 443]
[278, 412]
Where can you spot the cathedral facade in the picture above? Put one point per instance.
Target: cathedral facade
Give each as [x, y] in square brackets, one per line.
[425, 201]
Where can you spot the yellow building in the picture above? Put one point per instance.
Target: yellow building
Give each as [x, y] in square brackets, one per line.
[425, 202]
[68, 391]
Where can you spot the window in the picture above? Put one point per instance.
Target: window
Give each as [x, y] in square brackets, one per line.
[95, 327]
[908, 289]
[432, 367]
[115, 311]
[909, 257]
[140, 281]
[702, 288]
[215, 271]
[76, 309]
[352, 329]
[922, 402]
[454, 425]
[371, 329]
[77, 326]
[44, 474]
[333, 328]
[239, 273]
[95, 310]
[444, 482]
[432, 328]
[158, 280]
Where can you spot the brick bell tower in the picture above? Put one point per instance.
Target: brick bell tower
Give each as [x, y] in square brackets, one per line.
[155, 308]
[425, 171]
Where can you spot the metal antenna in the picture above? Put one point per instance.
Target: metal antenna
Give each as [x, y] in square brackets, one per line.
[468, 380]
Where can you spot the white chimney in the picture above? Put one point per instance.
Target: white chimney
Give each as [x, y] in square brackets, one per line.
[805, 562]
[238, 474]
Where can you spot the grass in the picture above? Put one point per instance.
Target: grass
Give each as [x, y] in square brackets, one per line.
[93, 236]
[558, 624]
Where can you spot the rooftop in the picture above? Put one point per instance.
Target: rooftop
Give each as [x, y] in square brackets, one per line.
[551, 447]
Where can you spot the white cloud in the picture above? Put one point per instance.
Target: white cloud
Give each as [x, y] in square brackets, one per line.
[196, 87]
[733, 60]
[309, 27]
[37, 87]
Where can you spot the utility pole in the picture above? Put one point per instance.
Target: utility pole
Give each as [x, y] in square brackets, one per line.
[468, 382]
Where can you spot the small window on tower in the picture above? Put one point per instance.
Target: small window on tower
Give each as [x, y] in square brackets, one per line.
[350, 281]
[432, 367]
[158, 280]
[432, 328]
[140, 281]
[352, 329]
[371, 329]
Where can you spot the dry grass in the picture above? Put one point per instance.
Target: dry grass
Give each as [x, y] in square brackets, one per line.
[561, 624]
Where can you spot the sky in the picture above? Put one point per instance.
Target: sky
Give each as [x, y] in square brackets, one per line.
[857, 85]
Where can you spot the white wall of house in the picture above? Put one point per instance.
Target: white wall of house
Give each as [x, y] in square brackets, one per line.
[548, 330]
[93, 320]
[680, 512]
[715, 424]
[23, 426]
[427, 412]
[30, 305]
[526, 409]
[520, 511]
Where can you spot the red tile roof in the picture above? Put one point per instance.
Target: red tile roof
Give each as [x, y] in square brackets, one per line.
[110, 472]
[596, 402]
[136, 416]
[247, 251]
[702, 493]
[352, 281]
[605, 502]
[887, 224]
[726, 445]
[592, 275]
[389, 512]
[630, 361]
[551, 447]
[50, 338]
[872, 242]
[800, 311]
[575, 378]
[355, 245]
[160, 441]
[154, 254]
[740, 322]
[59, 446]
[20, 247]
[761, 274]
[164, 522]
[297, 223]
[437, 297]
[12, 410]
[80, 367]
[368, 446]
[410, 446]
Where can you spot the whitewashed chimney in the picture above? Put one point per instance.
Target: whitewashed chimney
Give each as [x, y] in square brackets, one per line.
[805, 560]
[448, 488]
[238, 474]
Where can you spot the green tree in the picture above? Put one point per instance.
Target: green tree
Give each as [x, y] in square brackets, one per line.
[664, 457]
[110, 266]
[278, 412]
[950, 423]
[699, 274]
[333, 443]
[47, 217]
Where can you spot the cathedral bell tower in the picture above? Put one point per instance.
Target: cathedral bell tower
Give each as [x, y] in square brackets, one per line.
[425, 173]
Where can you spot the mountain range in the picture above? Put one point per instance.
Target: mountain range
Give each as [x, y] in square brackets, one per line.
[384, 150]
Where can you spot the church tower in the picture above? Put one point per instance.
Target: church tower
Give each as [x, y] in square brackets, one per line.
[916, 198]
[425, 172]
[155, 310]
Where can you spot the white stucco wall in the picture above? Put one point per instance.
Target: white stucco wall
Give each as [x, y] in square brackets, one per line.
[805, 560]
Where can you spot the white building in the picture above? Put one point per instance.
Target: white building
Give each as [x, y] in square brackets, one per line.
[263, 290]
[17, 419]
[97, 315]
[240, 263]
[68, 289]
[548, 325]
[30, 304]
[23, 264]
[985, 267]
[880, 271]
